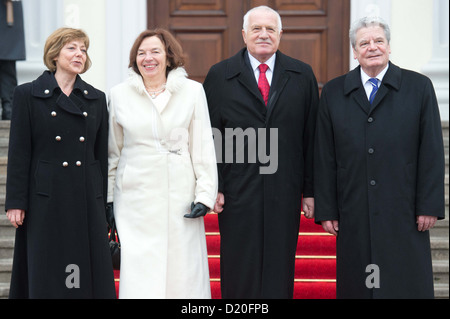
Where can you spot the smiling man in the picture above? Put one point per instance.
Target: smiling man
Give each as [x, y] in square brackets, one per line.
[262, 90]
[379, 171]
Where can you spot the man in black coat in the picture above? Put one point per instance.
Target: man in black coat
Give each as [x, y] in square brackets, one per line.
[379, 171]
[264, 130]
[12, 49]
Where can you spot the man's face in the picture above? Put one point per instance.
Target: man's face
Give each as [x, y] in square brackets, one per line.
[372, 50]
[262, 37]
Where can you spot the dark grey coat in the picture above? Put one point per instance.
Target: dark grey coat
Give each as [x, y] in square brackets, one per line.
[12, 38]
[57, 169]
[260, 221]
[375, 171]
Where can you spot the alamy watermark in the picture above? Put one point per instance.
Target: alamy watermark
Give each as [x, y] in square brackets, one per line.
[373, 280]
[261, 145]
[73, 279]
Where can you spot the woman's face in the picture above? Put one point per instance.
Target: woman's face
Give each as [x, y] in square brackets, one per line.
[72, 58]
[152, 59]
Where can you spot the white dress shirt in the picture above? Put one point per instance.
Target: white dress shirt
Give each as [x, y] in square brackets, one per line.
[365, 80]
[255, 67]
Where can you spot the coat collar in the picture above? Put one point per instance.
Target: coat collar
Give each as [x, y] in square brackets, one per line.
[175, 80]
[45, 85]
[393, 78]
[239, 67]
[239, 64]
[353, 85]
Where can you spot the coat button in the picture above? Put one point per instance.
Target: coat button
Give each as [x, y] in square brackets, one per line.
[371, 151]
[78, 163]
[65, 164]
[370, 120]
[373, 183]
[86, 92]
[53, 113]
[47, 91]
[85, 114]
[58, 138]
[82, 139]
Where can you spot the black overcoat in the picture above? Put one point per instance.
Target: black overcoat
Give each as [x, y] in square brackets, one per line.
[374, 172]
[260, 221]
[57, 169]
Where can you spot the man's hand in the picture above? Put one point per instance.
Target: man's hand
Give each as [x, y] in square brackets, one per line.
[308, 207]
[220, 201]
[16, 216]
[425, 223]
[331, 226]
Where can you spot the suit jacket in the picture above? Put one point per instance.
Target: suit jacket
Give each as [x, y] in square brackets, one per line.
[259, 225]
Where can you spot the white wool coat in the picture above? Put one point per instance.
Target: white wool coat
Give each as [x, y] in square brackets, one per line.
[159, 163]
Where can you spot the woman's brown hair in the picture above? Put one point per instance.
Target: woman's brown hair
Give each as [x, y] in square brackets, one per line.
[174, 51]
[57, 40]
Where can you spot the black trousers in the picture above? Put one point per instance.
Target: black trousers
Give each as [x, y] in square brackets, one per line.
[8, 82]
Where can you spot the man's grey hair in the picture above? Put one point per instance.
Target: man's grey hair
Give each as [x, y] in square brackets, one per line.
[368, 22]
[247, 17]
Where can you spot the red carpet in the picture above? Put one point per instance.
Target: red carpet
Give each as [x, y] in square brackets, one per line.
[315, 266]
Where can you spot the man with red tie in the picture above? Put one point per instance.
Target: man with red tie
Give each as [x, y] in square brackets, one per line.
[262, 106]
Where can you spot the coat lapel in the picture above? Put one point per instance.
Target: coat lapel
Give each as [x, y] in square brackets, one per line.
[354, 87]
[392, 80]
[281, 77]
[46, 86]
[239, 67]
[72, 105]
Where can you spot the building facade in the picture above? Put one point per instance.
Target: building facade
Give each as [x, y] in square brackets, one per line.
[419, 32]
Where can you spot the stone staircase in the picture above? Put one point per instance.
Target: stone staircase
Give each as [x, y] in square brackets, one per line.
[439, 235]
[7, 231]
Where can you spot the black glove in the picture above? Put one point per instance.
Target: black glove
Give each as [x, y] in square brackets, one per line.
[197, 210]
[110, 215]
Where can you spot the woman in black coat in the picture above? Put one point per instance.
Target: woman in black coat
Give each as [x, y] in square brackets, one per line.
[56, 182]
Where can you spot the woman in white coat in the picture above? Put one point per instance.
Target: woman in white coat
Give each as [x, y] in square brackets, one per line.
[162, 173]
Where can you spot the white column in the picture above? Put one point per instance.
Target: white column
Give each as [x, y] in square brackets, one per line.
[90, 16]
[125, 20]
[41, 18]
[438, 67]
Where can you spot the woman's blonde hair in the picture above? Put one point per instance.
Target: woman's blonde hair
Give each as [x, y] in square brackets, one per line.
[57, 40]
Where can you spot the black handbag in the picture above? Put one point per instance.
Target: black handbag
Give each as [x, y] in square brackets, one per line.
[114, 247]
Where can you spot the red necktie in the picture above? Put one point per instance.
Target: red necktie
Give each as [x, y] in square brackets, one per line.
[263, 84]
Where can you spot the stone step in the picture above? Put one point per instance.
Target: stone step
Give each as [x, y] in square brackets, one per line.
[6, 229]
[4, 128]
[6, 248]
[4, 290]
[3, 165]
[440, 271]
[4, 137]
[5, 270]
[439, 248]
[441, 228]
[441, 291]
[4, 146]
